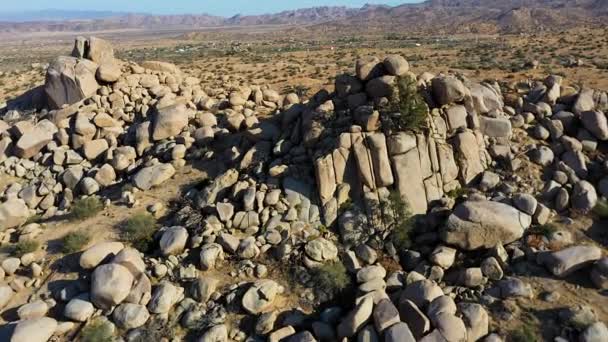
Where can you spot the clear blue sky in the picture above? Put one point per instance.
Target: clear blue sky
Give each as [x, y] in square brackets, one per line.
[216, 7]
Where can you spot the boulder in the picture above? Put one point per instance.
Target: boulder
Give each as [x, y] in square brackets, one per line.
[584, 197]
[596, 123]
[130, 316]
[79, 309]
[448, 90]
[260, 296]
[566, 261]
[484, 224]
[34, 330]
[96, 254]
[169, 121]
[396, 65]
[496, 127]
[173, 241]
[108, 73]
[154, 175]
[218, 333]
[32, 141]
[385, 315]
[6, 294]
[321, 250]
[98, 50]
[13, 213]
[164, 297]
[110, 285]
[35, 309]
[421, 293]
[399, 332]
[409, 178]
[599, 274]
[356, 319]
[70, 80]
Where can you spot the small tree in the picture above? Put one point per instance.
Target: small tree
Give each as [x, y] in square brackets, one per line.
[407, 109]
[403, 221]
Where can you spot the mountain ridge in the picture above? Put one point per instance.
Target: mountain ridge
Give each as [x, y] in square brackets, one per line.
[461, 16]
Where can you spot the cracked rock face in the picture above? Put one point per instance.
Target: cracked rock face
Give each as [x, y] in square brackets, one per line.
[484, 224]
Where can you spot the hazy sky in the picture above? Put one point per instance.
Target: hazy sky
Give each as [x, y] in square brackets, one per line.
[216, 7]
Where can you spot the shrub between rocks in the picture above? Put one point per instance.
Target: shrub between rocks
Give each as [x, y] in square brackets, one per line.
[526, 334]
[331, 277]
[403, 221]
[85, 208]
[139, 230]
[74, 242]
[97, 331]
[24, 247]
[601, 209]
[409, 104]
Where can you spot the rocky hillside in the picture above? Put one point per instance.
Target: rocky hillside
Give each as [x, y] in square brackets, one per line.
[401, 206]
[435, 16]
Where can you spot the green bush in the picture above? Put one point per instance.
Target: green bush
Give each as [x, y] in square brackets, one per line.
[545, 230]
[403, 221]
[24, 247]
[74, 242]
[97, 331]
[601, 209]
[139, 230]
[85, 208]
[525, 334]
[331, 277]
[407, 109]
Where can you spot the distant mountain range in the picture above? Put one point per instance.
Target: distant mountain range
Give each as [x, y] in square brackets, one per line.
[448, 16]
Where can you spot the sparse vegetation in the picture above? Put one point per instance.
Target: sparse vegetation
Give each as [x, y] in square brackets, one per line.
[139, 230]
[97, 331]
[403, 221]
[24, 247]
[601, 209]
[525, 334]
[407, 109]
[331, 277]
[74, 242]
[85, 208]
[545, 229]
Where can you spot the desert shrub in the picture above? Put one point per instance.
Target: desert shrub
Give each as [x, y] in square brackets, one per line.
[85, 208]
[97, 331]
[331, 277]
[456, 193]
[601, 209]
[545, 229]
[24, 247]
[74, 242]
[407, 108]
[525, 334]
[403, 221]
[139, 230]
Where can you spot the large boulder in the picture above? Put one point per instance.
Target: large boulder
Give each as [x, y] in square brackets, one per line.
[13, 213]
[448, 89]
[566, 261]
[33, 140]
[154, 175]
[110, 285]
[70, 80]
[260, 296]
[169, 121]
[34, 330]
[484, 224]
